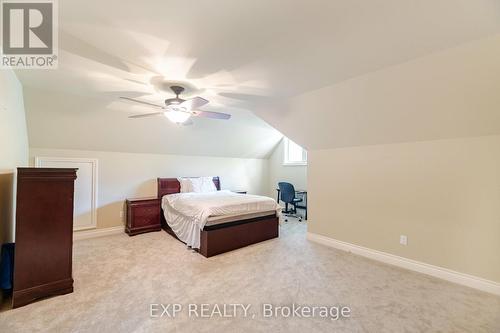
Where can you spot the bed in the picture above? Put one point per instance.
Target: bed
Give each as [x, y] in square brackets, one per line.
[225, 231]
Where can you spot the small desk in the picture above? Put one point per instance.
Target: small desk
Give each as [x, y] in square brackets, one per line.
[303, 193]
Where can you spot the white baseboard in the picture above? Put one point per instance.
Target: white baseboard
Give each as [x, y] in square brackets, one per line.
[85, 234]
[436, 271]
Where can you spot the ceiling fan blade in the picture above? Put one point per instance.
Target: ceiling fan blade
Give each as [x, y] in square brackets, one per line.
[141, 102]
[188, 123]
[210, 114]
[146, 115]
[194, 103]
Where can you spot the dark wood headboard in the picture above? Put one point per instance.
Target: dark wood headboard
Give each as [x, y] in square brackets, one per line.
[172, 185]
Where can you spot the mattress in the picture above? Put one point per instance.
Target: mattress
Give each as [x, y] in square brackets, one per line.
[215, 220]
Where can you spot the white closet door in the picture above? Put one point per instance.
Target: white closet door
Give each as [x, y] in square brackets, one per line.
[85, 205]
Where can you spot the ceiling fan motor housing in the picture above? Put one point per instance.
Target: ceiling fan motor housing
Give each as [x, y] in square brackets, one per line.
[173, 101]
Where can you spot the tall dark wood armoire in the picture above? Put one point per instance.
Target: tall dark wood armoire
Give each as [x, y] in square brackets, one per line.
[44, 234]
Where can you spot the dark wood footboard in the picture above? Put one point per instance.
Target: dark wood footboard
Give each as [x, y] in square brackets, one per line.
[231, 236]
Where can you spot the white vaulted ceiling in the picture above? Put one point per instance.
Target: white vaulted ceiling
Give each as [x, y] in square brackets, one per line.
[246, 57]
[450, 94]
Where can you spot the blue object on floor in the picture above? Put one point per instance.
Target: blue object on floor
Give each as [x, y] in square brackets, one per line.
[7, 266]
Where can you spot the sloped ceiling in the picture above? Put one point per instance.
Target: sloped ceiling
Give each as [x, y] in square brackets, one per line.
[450, 94]
[246, 57]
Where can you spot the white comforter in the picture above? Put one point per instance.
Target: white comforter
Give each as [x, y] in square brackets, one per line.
[187, 213]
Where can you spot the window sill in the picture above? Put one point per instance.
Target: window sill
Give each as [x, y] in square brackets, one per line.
[295, 164]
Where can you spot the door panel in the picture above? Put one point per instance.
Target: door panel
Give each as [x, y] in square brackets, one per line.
[85, 188]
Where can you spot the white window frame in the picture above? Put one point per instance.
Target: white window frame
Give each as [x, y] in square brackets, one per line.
[286, 160]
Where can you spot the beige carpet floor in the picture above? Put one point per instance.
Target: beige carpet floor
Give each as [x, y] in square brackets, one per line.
[118, 277]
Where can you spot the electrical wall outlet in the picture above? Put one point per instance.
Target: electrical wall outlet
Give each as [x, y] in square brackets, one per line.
[121, 214]
[403, 240]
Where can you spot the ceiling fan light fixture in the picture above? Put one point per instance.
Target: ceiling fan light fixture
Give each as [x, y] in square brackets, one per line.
[178, 108]
[177, 117]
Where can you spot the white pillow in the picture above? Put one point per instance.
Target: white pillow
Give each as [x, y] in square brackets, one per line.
[197, 185]
[186, 184]
[207, 185]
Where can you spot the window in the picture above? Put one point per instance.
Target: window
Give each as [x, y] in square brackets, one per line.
[294, 154]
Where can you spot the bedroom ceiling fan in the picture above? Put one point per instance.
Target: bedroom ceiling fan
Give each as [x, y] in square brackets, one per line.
[179, 110]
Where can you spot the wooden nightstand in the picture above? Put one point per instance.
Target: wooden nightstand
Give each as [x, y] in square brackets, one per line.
[143, 215]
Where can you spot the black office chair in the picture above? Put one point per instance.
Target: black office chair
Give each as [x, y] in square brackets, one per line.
[287, 195]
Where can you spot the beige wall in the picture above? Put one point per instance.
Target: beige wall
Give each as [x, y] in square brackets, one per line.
[444, 195]
[128, 175]
[13, 147]
[295, 174]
